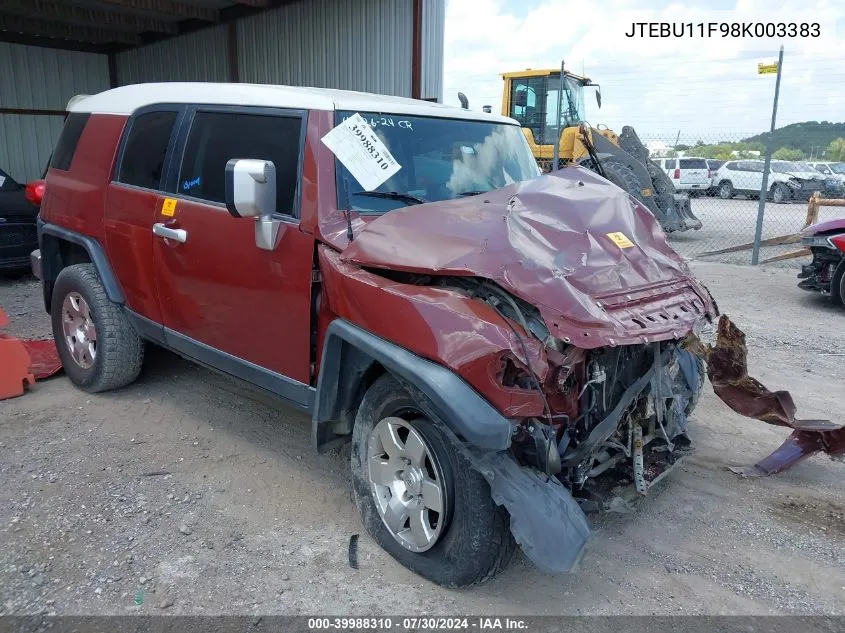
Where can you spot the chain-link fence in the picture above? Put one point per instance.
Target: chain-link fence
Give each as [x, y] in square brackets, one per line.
[723, 176]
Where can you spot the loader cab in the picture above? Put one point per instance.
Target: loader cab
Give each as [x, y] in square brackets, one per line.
[531, 97]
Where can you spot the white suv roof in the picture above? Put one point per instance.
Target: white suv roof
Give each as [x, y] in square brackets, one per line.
[126, 99]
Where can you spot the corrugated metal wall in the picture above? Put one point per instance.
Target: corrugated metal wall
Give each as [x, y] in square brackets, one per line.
[349, 44]
[352, 45]
[198, 56]
[433, 28]
[36, 78]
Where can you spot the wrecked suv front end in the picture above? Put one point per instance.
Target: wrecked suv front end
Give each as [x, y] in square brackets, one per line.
[557, 300]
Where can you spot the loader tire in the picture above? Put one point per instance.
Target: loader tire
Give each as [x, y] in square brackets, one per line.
[623, 177]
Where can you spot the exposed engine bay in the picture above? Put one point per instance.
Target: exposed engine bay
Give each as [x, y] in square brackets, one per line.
[614, 418]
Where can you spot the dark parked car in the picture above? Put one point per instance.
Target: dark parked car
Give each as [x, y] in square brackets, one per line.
[826, 273]
[18, 215]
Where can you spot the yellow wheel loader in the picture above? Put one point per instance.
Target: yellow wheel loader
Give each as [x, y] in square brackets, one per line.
[552, 120]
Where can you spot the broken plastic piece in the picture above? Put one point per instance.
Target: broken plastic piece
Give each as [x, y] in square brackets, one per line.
[545, 519]
[15, 364]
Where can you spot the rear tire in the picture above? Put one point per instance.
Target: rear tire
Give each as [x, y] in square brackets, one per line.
[726, 190]
[474, 541]
[98, 347]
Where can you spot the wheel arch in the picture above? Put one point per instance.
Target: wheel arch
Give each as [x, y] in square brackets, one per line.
[352, 359]
[61, 247]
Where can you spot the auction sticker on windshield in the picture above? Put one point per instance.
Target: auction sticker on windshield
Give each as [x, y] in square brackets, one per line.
[362, 152]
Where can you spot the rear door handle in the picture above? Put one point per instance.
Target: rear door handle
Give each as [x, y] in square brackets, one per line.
[177, 235]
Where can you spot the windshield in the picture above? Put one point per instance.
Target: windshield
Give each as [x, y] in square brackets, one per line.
[837, 168]
[441, 159]
[787, 167]
[806, 167]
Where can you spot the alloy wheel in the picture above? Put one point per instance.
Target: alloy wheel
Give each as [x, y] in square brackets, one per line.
[79, 330]
[407, 484]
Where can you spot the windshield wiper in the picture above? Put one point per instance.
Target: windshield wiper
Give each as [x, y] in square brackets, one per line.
[392, 195]
[473, 193]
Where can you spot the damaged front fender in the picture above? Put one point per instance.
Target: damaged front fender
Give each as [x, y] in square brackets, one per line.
[727, 369]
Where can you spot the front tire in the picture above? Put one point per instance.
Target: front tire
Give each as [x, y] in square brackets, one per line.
[779, 194]
[98, 347]
[419, 497]
[837, 284]
[726, 190]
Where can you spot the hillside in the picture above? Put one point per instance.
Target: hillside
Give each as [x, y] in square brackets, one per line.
[806, 136]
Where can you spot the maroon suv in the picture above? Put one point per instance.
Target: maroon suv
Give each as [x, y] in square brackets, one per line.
[501, 348]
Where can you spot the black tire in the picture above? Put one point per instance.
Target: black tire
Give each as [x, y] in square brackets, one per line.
[623, 177]
[780, 194]
[837, 284]
[119, 349]
[726, 190]
[477, 543]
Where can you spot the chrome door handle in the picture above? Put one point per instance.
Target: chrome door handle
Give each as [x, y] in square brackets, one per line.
[177, 235]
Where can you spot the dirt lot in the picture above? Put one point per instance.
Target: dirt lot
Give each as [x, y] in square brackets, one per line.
[249, 520]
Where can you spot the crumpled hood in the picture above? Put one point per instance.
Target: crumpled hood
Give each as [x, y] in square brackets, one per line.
[546, 241]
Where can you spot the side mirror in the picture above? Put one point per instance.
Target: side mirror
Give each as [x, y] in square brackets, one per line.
[520, 99]
[598, 97]
[251, 193]
[250, 187]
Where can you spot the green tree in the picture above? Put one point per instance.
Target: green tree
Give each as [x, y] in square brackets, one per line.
[681, 147]
[671, 154]
[836, 150]
[788, 153]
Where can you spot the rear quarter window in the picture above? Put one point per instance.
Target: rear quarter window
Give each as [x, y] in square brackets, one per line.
[146, 147]
[68, 140]
[693, 163]
[669, 164]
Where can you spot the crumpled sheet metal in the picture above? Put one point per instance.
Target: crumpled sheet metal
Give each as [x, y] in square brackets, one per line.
[727, 369]
[553, 241]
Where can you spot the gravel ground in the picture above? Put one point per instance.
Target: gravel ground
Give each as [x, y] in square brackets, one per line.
[185, 494]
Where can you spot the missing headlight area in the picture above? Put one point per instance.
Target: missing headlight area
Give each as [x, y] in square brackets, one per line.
[620, 421]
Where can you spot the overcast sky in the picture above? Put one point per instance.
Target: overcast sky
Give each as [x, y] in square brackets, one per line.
[706, 88]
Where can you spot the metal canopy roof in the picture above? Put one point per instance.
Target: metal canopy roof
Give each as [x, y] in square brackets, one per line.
[109, 26]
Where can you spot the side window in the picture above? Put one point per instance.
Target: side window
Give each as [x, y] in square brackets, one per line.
[143, 155]
[670, 163]
[68, 140]
[732, 167]
[217, 137]
[756, 167]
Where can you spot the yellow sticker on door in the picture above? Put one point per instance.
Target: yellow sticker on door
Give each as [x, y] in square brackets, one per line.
[620, 239]
[168, 207]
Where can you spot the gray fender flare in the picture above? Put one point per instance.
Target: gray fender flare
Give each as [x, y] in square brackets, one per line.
[51, 262]
[349, 352]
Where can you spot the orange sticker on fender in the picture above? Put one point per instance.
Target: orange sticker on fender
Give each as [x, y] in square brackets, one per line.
[620, 239]
[168, 207]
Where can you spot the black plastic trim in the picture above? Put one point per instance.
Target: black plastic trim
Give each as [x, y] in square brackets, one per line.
[458, 405]
[92, 247]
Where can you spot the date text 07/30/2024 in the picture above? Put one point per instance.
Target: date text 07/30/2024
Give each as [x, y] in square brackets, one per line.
[416, 624]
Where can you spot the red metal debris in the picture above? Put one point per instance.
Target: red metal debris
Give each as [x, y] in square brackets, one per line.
[15, 364]
[727, 369]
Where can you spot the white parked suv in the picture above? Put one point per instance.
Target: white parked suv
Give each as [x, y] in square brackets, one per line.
[687, 174]
[835, 171]
[787, 180]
